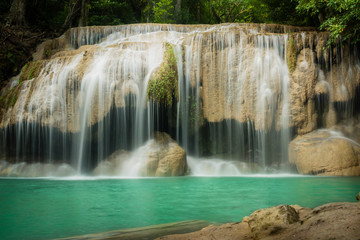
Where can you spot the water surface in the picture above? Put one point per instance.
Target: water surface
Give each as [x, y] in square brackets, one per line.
[52, 208]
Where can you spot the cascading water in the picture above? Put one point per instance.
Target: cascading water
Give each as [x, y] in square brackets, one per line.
[238, 100]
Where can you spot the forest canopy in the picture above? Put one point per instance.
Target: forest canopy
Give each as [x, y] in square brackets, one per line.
[340, 17]
[26, 23]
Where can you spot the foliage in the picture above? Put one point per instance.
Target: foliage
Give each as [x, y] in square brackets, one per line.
[230, 10]
[50, 15]
[4, 7]
[259, 11]
[284, 12]
[339, 17]
[164, 11]
[237, 11]
[110, 12]
[163, 86]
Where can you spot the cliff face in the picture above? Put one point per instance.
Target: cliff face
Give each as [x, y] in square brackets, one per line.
[265, 78]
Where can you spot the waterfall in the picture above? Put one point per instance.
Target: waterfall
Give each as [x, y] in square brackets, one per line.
[240, 101]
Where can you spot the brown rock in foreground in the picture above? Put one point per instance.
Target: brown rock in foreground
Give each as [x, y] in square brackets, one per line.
[329, 221]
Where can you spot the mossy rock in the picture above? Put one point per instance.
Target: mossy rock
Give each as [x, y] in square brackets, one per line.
[7, 101]
[291, 54]
[30, 70]
[163, 84]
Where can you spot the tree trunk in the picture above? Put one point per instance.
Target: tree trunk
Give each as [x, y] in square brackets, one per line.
[84, 13]
[74, 12]
[17, 13]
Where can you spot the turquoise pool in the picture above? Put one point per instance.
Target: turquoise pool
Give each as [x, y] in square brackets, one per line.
[53, 208]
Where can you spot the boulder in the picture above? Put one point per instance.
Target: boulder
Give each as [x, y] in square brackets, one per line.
[268, 221]
[325, 152]
[159, 157]
[166, 159]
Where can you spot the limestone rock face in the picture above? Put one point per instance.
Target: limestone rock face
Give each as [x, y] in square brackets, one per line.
[235, 71]
[325, 152]
[302, 92]
[166, 159]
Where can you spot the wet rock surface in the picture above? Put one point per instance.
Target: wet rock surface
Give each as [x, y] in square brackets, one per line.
[329, 221]
[167, 158]
[226, 63]
[325, 152]
[35, 170]
[159, 157]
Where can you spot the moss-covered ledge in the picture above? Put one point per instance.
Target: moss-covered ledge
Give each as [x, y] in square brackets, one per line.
[291, 54]
[163, 84]
[9, 95]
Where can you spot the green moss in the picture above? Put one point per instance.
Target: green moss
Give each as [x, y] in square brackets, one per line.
[23, 70]
[195, 114]
[291, 54]
[163, 86]
[10, 98]
[30, 70]
[33, 70]
[13, 98]
[48, 53]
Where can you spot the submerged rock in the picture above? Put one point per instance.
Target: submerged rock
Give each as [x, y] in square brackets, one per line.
[325, 152]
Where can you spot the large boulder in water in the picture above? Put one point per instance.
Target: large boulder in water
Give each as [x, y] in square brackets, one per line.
[167, 158]
[325, 152]
[159, 157]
